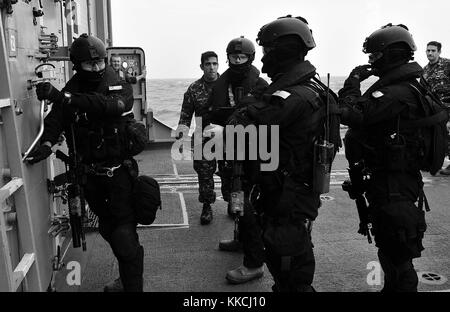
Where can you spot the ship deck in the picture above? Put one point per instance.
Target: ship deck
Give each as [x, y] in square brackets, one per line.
[183, 256]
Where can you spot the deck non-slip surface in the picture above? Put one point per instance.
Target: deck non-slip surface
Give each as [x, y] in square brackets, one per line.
[181, 255]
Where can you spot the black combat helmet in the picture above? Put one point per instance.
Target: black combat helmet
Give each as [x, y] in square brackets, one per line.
[87, 48]
[386, 36]
[241, 45]
[285, 26]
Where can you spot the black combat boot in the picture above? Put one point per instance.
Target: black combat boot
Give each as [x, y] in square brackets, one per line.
[114, 286]
[131, 272]
[207, 215]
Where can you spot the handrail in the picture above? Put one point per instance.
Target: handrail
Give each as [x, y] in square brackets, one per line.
[41, 132]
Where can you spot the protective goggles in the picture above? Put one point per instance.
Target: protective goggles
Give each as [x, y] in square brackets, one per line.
[93, 65]
[238, 58]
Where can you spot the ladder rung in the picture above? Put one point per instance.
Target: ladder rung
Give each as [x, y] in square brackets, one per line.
[5, 103]
[22, 269]
[10, 188]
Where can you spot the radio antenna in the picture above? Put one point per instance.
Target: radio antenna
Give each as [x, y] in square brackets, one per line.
[327, 129]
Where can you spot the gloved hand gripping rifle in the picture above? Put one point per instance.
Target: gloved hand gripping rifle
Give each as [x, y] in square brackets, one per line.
[237, 193]
[355, 187]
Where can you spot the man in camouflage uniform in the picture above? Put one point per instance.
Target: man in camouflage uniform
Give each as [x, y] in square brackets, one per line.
[437, 75]
[195, 101]
[116, 64]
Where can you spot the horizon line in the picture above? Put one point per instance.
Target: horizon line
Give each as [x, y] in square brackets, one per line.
[195, 78]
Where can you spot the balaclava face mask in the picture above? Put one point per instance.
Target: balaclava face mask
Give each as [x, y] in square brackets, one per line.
[391, 59]
[240, 71]
[277, 60]
[91, 77]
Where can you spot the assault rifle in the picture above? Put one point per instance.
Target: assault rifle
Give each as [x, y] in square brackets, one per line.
[237, 196]
[355, 187]
[76, 177]
[324, 153]
[220, 115]
[237, 193]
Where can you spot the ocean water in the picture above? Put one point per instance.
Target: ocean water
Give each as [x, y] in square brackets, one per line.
[165, 96]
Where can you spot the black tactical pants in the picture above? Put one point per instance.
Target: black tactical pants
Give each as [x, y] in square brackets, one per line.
[398, 277]
[289, 256]
[398, 229]
[110, 199]
[250, 236]
[225, 172]
[287, 227]
[249, 226]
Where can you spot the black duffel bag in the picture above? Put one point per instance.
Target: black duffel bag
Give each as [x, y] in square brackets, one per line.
[146, 199]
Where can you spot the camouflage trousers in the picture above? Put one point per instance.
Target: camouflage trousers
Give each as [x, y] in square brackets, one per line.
[205, 170]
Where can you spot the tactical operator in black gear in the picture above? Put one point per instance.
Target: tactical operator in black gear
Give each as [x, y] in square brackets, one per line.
[377, 139]
[241, 79]
[92, 108]
[238, 83]
[287, 200]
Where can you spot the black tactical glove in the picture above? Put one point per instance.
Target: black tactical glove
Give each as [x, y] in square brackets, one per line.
[362, 72]
[45, 91]
[240, 117]
[38, 154]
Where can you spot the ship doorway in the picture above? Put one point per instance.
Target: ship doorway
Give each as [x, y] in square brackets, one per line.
[129, 63]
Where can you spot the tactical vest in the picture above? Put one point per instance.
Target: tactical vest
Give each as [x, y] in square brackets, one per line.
[401, 143]
[98, 139]
[311, 128]
[223, 98]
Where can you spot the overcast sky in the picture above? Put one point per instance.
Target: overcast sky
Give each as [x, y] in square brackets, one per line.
[174, 33]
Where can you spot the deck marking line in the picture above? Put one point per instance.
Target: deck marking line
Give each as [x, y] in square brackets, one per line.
[185, 223]
[175, 171]
[183, 208]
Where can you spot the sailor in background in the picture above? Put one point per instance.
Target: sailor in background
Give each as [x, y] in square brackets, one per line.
[437, 74]
[116, 64]
[195, 102]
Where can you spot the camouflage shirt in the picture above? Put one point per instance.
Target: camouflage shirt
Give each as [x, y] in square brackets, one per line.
[122, 75]
[195, 101]
[438, 76]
